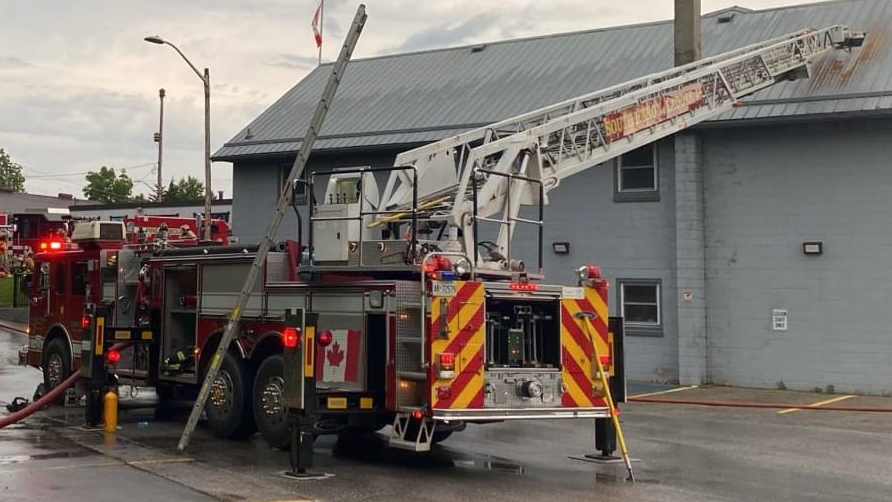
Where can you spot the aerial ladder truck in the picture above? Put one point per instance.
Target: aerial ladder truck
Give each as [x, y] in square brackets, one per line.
[407, 307]
[522, 363]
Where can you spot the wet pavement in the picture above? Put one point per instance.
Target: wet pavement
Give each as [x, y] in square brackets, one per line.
[684, 453]
[43, 460]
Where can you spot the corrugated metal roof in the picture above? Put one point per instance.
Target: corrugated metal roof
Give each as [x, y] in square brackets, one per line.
[425, 96]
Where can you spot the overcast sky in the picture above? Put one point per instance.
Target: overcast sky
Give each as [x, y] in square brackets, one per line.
[79, 86]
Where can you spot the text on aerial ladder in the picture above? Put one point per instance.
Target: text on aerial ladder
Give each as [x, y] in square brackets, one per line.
[651, 112]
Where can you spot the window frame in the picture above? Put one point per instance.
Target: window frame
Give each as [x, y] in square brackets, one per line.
[637, 194]
[639, 328]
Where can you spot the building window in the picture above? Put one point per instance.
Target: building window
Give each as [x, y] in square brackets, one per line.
[640, 305]
[637, 177]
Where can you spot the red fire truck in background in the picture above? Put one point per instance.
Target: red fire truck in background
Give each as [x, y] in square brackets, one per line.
[144, 228]
[36, 225]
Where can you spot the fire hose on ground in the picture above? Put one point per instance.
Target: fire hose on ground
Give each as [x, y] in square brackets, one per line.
[48, 398]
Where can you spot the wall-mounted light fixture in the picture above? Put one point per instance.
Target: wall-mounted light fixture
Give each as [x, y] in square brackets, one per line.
[561, 247]
[813, 247]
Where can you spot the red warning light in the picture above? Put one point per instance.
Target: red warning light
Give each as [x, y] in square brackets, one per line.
[324, 338]
[292, 337]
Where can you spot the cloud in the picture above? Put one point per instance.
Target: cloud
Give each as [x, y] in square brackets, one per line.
[448, 34]
[294, 61]
[13, 63]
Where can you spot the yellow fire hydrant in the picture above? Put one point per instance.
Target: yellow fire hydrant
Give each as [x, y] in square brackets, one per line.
[110, 410]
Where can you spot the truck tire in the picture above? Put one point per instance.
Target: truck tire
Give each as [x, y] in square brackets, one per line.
[269, 403]
[229, 403]
[56, 364]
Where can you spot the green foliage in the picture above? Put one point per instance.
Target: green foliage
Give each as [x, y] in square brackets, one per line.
[106, 186]
[188, 189]
[830, 389]
[781, 385]
[11, 177]
[6, 291]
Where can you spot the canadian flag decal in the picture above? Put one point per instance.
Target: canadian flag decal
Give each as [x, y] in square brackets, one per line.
[335, 354]
[339, 361]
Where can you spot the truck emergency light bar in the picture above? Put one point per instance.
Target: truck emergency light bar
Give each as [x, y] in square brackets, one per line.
[56, 245]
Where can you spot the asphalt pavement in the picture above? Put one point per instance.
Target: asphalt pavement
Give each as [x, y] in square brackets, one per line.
[682, 453]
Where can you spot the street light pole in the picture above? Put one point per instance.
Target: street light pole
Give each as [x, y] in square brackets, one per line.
[207, 155]
[206, 80]
[160, 139]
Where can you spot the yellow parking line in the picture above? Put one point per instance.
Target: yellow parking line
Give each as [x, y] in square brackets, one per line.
[664, 391]
[815, 405]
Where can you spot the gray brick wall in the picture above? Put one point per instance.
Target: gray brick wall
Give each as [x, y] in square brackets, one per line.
[690, 287]
[768, 189]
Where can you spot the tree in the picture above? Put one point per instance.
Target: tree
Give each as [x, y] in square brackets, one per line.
[11, 177]
[106, 186]
[188, 189]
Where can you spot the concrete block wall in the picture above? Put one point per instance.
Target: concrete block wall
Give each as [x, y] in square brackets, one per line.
[768, 190]
[690, 292]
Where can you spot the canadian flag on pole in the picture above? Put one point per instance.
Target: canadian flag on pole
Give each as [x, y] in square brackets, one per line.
[316, 24]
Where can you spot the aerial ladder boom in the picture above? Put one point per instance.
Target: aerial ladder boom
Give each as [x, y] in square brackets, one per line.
[497, 168]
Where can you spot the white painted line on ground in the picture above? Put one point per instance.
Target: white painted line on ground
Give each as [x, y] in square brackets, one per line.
[160, 461]
[679, 389]
[816, 405]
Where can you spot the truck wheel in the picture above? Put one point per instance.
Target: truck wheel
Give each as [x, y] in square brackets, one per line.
[56, 364]
[228, 406]
[269, 403]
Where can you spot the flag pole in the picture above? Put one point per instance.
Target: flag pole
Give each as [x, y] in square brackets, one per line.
[321, 26]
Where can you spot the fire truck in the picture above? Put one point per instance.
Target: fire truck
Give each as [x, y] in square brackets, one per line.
[409, 304]
[37, 225]
[145, 228]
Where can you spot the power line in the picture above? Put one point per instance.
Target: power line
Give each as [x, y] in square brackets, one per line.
[42, 175]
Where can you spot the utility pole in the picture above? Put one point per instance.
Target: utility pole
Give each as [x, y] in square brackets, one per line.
[159, 138]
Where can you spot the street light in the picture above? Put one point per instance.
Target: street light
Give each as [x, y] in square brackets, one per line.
[206, 80]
